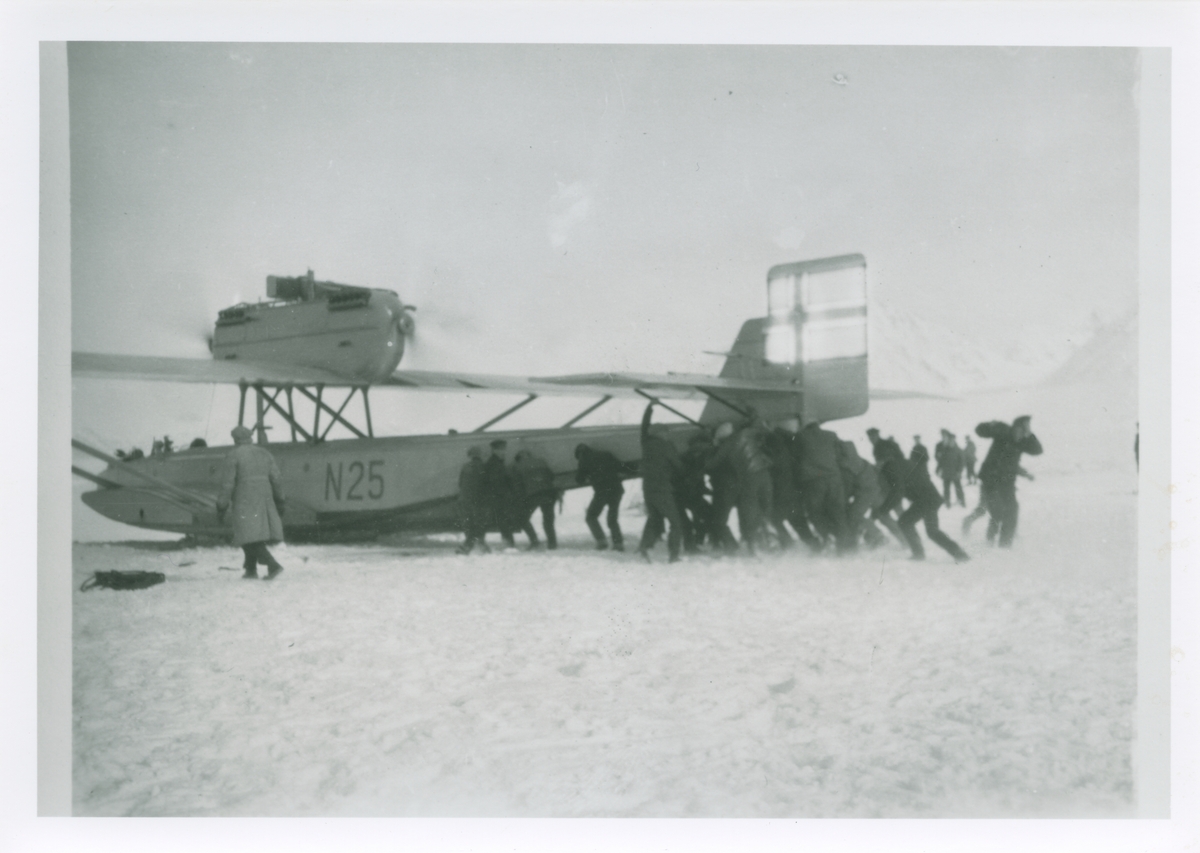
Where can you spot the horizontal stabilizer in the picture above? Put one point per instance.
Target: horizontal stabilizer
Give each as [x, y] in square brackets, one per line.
[882, 394]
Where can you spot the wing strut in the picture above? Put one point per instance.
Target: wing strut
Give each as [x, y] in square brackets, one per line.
[337, 416]
[654, 399]
[587, 411]
[506, 413]
[724, 402]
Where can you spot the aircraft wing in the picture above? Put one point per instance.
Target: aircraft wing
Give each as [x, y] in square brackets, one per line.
[677, 386]
[148, 368]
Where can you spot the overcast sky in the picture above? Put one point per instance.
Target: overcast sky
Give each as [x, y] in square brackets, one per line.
[597, 189]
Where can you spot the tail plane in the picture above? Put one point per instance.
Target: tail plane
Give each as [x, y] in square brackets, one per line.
[814, 338]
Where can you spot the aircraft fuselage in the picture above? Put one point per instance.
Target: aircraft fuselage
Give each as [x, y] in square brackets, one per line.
[351, 486]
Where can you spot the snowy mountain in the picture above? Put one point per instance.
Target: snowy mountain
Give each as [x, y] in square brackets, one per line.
[1110, 355]
[912, 352]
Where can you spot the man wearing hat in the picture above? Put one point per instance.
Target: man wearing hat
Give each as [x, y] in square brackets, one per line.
[910, 479]
[949, 457]
[501, 494]
[883, 448]
[998, 474]
[252, 490]
[472, 503]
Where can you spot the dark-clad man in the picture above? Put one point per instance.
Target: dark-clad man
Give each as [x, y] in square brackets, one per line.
[781, 447]
[691, 490]
[883, 448]
[744, 452]
[865, 499]
[602, 471]
[473, 503]
[821, 484]
[910, 479]
[660, 467]
[501, 496]
[535, 484]
[725, 488]
[969, 460]
[252, 489]
[981, 510]
[998, 473]
[949, 458]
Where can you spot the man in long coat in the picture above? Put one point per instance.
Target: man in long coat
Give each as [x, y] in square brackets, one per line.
[472, 503]
[252, 490]
[502, 498]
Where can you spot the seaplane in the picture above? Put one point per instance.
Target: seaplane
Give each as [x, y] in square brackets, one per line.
[315, 347]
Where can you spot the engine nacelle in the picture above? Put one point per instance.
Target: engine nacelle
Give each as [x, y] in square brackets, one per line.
[355, 332]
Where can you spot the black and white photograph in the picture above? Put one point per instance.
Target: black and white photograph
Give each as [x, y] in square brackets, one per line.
[534, 429]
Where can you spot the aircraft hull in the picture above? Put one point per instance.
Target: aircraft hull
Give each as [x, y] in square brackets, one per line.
[352, 487]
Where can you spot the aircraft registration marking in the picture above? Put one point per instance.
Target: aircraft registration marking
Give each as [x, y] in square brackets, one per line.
[361, 480]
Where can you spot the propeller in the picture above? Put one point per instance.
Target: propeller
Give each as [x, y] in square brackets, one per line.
[438, 337]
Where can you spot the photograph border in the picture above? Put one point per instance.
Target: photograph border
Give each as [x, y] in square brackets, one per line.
[40, 647]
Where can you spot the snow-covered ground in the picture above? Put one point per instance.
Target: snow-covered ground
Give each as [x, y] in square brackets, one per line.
[394, 679]
[398, 678]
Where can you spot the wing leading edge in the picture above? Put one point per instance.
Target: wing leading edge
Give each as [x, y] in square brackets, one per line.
[676, 386]
[679, 386]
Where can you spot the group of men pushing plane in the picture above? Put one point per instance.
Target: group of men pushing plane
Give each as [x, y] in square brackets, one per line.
[806, 478]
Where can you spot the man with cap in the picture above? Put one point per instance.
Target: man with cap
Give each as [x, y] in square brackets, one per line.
[883, 448]
[501, 496]
[949, 458]
[602, 471]
[999, 471]
[472, 503]
[252, 490]
[909, 478]
[660, 467]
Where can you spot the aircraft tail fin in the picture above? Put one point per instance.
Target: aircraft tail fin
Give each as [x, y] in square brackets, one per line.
[813, 342]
